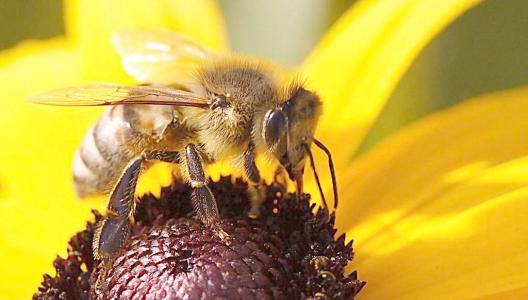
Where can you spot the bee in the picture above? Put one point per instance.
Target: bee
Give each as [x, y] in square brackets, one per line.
[196, 107]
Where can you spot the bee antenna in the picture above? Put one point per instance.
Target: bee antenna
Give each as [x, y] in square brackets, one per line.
[331, 166]
[312, 164]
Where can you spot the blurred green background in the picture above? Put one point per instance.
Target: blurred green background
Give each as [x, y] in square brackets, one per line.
[483, 51]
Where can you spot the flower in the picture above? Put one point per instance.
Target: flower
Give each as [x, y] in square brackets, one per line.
[436, 210]
[288, 252]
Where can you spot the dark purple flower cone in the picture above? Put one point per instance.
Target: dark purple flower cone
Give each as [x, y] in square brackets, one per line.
[289, 252]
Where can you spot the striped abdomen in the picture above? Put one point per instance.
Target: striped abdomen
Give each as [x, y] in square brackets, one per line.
[120, 134]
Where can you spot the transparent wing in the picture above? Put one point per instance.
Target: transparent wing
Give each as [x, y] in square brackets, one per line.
[158, 55]
[112, 94]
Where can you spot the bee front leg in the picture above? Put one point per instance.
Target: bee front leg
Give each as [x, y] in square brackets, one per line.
[256, 188]
[202, 198]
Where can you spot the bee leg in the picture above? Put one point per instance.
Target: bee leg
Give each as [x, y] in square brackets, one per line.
[280, 177]
[256, 188]
[164, 156]
[115, 226]
[204, 202]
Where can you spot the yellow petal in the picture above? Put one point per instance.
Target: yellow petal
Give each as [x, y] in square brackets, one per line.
[38, 210]
[360, 60]
[439, 209]
[478, 252]
[90, 23]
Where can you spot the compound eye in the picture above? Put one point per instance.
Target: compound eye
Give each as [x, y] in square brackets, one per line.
[274, 126]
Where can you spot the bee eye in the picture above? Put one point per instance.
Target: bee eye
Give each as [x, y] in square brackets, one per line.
[274, 126]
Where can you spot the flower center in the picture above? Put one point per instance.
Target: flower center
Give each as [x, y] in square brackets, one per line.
[182, 258]
[288, 252]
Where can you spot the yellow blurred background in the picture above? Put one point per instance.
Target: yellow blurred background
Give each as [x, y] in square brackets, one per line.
[483, 51]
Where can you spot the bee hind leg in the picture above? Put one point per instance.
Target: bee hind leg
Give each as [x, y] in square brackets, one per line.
[256, 188]
[114, 229]
[202, 197]
[115, 226]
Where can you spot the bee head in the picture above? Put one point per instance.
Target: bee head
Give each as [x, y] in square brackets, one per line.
[289, 128]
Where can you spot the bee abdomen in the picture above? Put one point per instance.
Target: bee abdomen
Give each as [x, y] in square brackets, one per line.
[102, 156]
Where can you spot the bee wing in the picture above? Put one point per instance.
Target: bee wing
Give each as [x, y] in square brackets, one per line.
[158, 55]
[102, 94]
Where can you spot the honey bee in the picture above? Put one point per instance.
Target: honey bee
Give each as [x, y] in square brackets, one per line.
[197, 107]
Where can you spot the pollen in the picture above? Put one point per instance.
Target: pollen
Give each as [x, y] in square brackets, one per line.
[288, 252]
